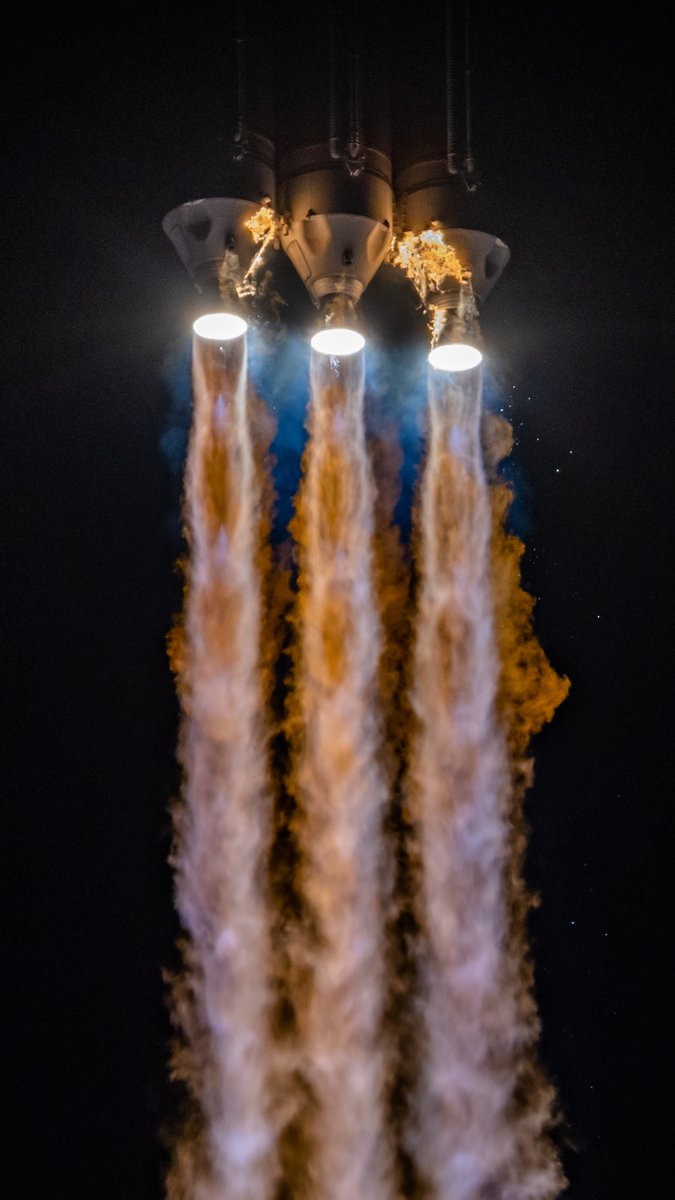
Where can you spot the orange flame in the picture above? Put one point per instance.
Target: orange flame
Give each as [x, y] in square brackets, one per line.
[530, 690]
[428, 261]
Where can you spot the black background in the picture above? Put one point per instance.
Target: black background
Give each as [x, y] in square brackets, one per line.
[114, 117]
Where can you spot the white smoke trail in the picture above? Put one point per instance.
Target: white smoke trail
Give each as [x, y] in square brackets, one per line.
[342, 797]
[223, 828]
[475, 1136]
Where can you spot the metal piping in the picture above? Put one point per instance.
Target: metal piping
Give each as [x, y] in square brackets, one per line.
[451, 149]
[333, 137]
[240, 133]
[354, 155]
[469, 172]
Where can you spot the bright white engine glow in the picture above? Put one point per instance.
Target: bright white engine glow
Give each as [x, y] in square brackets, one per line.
[455, 356]
[220, 326]
[338, 342]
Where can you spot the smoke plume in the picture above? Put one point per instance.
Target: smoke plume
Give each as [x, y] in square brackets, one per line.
[355, 1015]
[342, 798]
[477, 1131]
[223, 823]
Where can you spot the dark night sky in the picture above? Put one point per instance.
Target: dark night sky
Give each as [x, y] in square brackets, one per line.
[111, 120]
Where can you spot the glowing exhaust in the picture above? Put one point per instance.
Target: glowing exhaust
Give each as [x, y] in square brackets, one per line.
[339, 334]
[220, 326]
[338, 342]
[455, 356]
[456, 339]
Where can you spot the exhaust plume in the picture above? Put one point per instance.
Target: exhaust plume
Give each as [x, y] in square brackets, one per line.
[342, 799]
[223, 825]
[482, 1110]
[362, 1022]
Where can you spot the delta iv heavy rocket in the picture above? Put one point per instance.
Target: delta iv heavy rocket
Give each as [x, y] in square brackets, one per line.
[344, 194]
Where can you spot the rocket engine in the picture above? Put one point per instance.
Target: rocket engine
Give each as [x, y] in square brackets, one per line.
[210, 235]
[337, 215]
[336, 227]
